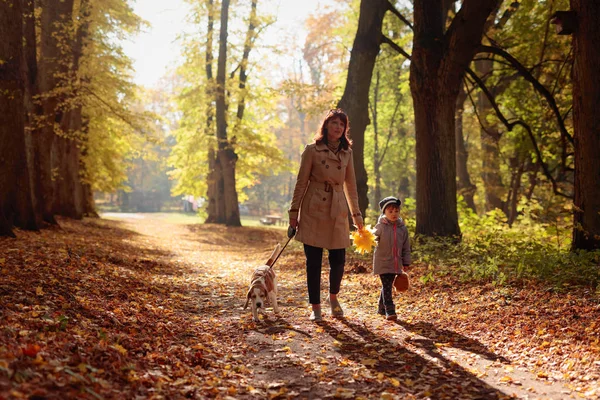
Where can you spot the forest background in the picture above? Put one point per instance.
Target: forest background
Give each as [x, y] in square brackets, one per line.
[228, 126]
[481, 115]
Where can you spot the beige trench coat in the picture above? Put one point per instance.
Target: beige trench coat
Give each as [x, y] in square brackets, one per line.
[325, 188]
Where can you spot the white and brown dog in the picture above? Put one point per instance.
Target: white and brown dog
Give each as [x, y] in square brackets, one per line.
[263, 287]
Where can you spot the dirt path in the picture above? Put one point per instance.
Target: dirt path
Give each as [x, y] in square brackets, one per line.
[358, 356]
[139, 308]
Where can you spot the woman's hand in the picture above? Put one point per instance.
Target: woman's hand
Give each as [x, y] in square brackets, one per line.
[360, 226]
[294, 223]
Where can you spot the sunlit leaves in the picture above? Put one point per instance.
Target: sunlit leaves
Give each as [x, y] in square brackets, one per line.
[253, 137]
[147, 307]
[113, 122]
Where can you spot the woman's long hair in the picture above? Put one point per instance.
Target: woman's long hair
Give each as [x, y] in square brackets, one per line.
[321, 136]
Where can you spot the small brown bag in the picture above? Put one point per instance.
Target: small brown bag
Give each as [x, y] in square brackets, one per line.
[401, 282]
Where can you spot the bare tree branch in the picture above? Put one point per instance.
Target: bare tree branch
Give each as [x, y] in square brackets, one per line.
[385, 39]
[397, 13]
[536, 84]
[510, 126]
[489, 95]
[390, 132]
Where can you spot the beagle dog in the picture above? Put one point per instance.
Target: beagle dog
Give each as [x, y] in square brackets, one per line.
[263, 287]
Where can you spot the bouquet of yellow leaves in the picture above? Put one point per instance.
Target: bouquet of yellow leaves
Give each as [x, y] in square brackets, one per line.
[363, 239]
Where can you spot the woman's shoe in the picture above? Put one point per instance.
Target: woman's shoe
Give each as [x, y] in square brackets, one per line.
[336, 309]
[315, 315]
[391, 317]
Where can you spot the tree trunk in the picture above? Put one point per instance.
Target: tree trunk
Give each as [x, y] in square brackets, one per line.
[490, 152]
[55, 17]
[89, 205]
[212, 208]
[16, 207]
[225, 153]
[214, 178]
[244, 64]
[436, 168]
[228, 158]
[32, 107]
[404, 188]
[68, 191]
[586, 121]
[355, 101]
[68, 187]
[216, 188]
[376, 156]
[438, 64]
[512, 201]
[465, 187]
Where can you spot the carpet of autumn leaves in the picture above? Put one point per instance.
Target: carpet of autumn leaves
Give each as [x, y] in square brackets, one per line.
[141, 308]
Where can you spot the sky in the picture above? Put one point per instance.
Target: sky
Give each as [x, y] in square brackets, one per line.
[155, 50]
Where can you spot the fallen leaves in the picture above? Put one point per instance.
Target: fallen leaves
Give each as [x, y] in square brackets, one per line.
[31, 350]
[103, 307]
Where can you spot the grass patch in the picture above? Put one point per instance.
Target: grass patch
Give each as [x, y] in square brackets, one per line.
[491, 251]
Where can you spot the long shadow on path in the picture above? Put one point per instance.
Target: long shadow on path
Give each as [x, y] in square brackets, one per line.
[432, 335]
[401, 371]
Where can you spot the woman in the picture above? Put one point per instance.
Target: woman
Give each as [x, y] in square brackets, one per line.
[325, 187]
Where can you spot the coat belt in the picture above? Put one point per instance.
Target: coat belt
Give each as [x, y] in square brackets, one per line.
[338, 200]
[328, 187]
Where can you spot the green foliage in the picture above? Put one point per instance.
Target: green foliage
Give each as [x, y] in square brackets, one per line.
[389, 138]
[530, 38]
[253, 137]
[492, 251]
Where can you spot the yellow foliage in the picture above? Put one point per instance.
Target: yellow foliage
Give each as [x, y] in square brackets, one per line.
[364, 239]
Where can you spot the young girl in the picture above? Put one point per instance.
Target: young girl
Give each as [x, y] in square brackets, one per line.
[392, 253]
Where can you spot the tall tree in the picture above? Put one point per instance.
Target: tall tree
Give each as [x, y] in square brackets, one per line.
[225, 153]
[511, 155]
[68, 187]
[15, 196]
[465, 187]
[355, 100]
[32, 105]
[586, 120]
[216, 184]
[490, 128]
[388, 143]
[201, 139]
[79, 123]
[376, 147]
[490, 136]
[243, 79]
[215, 189]
[56, 20]
[439, 60]
[112, 123]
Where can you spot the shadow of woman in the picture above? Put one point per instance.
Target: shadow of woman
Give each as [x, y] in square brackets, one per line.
[432, 335]
[400, 371]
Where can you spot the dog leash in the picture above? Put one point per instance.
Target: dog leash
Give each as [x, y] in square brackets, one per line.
[291, 232]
